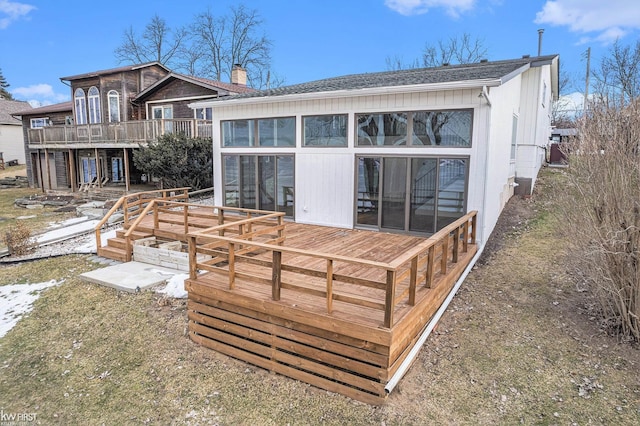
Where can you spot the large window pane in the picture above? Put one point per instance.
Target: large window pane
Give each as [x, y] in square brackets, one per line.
[267, 182]
[424, 178]
[325, 130]
[442, 128]
[94, 106]
[237, 133]
[231, 181]
[81, 107]
[114, 106]
[382, 129]
[368, 191]
[394, 182]
[285, 187]
[277, 131]
[248, 182]
[451, 190]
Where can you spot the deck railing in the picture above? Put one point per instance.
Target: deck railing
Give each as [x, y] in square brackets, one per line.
[125, 132]
[226, 246]
[133, 206]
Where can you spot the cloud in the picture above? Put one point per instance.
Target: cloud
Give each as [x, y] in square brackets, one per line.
[12, 11]
[453, 8]
[39, 94]
[604, 20]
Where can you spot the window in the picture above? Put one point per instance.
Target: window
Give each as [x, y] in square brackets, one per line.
[260, 132]
[262, 182]
[410, 194]
[204, 113]
[81, 107]
[427, 128]
[114, 106]
[325, 130]
[514, 137]
[94, 106]
[382, 129]
[38, 123]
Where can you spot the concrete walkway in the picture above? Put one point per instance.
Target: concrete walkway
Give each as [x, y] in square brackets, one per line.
[130, 276]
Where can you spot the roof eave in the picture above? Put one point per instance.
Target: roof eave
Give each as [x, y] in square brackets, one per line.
[430, 87]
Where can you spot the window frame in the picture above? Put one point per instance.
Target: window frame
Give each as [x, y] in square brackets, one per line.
[94, 107]
[111, 94]
[45, 122]
[253, 130]
[409, 135]
[346, 131]
[80, 103]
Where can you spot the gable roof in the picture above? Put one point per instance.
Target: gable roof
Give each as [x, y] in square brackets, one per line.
[9, 108]
[114, 71]
[222, 89]
[479, 74]
[47, 109]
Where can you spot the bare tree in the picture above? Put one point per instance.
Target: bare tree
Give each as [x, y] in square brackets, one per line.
[157, 43]
[562, 113]
[456, 50]
[618, 74]
[236, 38]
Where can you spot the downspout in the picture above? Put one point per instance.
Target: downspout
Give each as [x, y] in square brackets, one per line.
[434, 321]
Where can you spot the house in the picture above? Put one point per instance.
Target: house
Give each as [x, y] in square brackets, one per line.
[91, 139]
[405, 151]
[11, 142]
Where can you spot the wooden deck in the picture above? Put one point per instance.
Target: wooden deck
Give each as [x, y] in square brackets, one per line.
[337, 308]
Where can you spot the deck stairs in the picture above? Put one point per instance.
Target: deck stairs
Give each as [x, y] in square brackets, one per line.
[116, 247]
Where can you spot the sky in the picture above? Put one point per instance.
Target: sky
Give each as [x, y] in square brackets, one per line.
[43, 40]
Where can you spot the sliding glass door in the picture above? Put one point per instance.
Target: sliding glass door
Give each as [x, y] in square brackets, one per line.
[410, 194]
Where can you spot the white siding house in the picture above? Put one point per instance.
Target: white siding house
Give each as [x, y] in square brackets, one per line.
[11, 137]
[402, 151]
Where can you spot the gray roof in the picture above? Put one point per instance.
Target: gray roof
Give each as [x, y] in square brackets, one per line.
[444, 74]
[47, 109]
[112, 71]
[7, 108]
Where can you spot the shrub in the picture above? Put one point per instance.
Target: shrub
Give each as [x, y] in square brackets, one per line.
[18, 238]
[601, 207]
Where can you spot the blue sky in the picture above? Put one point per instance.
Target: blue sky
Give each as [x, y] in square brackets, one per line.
[43, 40]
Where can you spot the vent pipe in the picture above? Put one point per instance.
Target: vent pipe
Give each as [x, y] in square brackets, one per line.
[540, 31]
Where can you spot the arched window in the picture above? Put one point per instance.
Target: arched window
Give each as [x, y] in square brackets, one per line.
[114, 106]
[94, 105]
[81, 107]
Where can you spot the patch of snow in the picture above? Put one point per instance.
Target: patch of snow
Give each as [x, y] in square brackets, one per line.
[17, 300]
[175, 286]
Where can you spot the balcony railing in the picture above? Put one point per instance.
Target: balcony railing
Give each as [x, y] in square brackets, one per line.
[126, 132]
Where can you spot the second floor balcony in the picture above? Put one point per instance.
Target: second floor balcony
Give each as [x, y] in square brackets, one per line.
[126, 134]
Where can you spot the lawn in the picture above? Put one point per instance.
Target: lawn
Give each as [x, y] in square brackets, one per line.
[519, 344]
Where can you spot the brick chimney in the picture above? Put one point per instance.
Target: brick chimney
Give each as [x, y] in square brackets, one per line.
[238, 75]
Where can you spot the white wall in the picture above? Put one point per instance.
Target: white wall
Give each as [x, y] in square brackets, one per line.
[12, 142]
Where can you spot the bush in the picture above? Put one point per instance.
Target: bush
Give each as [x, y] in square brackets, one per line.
[601, 206]
[18, 239]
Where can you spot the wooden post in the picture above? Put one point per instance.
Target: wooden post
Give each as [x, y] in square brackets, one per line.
[125, 210]
[280, 231]
[156, 220]
[127, 176]
[412, 281]
[474, 222]
[465, 236]
[389, 300]
[276, 272]
[193, 258]
[72, 170]
[39, 164]
[329, 285]
[445, 254]
[221, 221]
[98, 171]
[186, 218]
[232, 266]
[431, 264]
[456, 244]
[46, 160]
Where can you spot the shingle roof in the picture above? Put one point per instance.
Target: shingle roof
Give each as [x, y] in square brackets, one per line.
[443, 74]
[7, 108]
[48, 109]
[229, 87]
[221, 88]
[112, 71]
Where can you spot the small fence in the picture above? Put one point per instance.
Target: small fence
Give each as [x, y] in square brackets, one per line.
[231, 245]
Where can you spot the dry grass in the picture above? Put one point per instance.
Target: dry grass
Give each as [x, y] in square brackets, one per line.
[514, 347]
